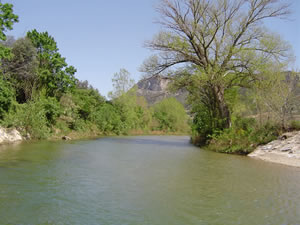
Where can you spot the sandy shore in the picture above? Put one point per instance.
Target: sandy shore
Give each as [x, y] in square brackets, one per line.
[285, 150]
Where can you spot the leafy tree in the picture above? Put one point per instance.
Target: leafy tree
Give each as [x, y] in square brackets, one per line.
[87, 101]
[220, 44]
[122, 82]
[54, 73]
[7, 19]
[21, 69]
[108, 119]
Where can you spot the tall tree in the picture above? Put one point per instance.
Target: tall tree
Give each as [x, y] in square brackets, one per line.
[221, 44]
[122, 82]
[55, 74]
[21, 68]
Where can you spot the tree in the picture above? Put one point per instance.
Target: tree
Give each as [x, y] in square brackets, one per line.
[221, 44]
[54, 73]
[278, 93]
[7, 19]
[21, 68]
[122, 82]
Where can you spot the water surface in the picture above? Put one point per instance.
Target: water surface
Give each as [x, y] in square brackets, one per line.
[142, 180]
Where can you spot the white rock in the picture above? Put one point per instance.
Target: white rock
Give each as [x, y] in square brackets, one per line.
[9, 135]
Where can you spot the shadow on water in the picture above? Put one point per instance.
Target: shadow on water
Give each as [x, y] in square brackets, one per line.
[174, 141]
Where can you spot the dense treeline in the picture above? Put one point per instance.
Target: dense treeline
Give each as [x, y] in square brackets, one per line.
[40, 95]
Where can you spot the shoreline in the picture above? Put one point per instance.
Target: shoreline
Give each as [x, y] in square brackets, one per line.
[285, 150]
[11, 136]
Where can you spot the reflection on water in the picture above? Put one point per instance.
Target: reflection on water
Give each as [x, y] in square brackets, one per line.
[142, 180]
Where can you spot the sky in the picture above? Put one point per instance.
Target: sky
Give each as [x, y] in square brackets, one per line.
[99, 37]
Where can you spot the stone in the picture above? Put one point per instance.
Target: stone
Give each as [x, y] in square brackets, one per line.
[283, 137]
[9, 135]
[286, 149]
[66, 138]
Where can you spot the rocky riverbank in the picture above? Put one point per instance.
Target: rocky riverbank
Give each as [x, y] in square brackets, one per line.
[285, 150]
[9, 135]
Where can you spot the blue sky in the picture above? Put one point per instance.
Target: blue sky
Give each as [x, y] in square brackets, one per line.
[99, 37]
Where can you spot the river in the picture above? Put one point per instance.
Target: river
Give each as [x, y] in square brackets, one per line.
[155, 180]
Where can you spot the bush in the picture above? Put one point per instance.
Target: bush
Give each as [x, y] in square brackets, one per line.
[31, 117]
[108, 120]
[243, 137]
[52, 109]
[295, 125]
[170, 115]
[7, 97]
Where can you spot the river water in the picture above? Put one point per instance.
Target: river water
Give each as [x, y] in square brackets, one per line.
[142, 180]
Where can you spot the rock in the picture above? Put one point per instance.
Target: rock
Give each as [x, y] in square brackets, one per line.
[9, 135]
[286, 149]
[27, 136]
[267, 147]
[283, 137]
[66, 138]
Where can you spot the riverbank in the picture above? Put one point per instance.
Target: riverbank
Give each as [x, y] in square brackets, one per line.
[285, 150]
[12, 135]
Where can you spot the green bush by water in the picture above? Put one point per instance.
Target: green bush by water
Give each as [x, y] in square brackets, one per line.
[243, 137]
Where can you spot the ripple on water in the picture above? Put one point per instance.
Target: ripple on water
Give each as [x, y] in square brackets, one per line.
[142, 180]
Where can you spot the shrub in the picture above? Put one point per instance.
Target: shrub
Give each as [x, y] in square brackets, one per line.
[243, 137]
[7, 97]
[170, 115]
[295, 125]
[30, 118]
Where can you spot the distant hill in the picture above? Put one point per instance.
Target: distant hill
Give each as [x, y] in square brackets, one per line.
[155, 88]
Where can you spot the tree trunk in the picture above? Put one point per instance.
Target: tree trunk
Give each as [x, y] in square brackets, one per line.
[223, 110]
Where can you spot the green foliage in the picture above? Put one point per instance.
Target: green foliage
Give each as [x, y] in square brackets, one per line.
[51, 108]
[87, 101]
[243, 137]
[54, 73]
[203, 125]
[31, 118]
[7, 97]
[108, 119]
[295, 125]
[40, 96]
[122, 82]
[171, 115]
[21, 69]
[7, 19]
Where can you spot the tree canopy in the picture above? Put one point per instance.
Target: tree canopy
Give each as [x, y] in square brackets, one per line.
[218, 44]
[55, 74]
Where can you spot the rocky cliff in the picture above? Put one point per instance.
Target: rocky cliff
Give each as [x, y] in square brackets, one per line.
[156, 88]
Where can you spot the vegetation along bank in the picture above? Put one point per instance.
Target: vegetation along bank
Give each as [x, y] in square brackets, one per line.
[233, 74]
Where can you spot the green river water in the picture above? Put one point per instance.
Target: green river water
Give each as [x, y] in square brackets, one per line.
[155, 180]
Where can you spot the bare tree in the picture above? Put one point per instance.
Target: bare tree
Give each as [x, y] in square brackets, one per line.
[122, 82]
[279, 94]
[223, 41]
